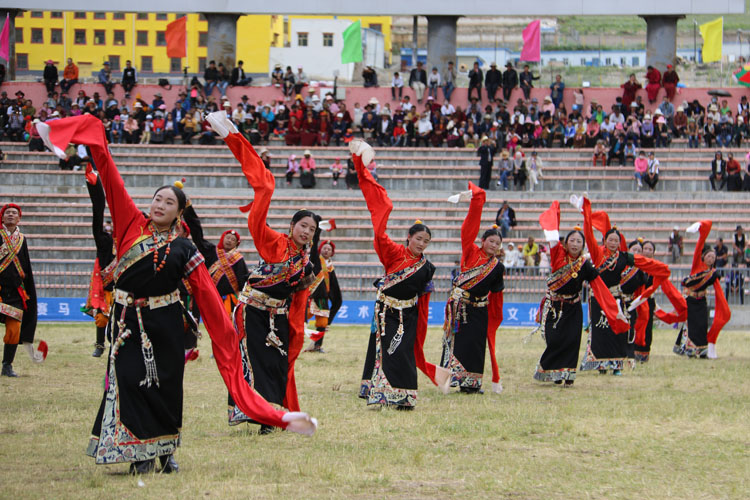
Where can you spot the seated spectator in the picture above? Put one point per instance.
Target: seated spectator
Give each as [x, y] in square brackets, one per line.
[35, 140]
[70, 76]
[535, 170]
[530, 252]
[505, 166]
[722, 253]
[652, 174]
[189, 126]
[641, 168]
[300, 80]
[661, 133]
[369, 124]
[50, 75]
[131, 130]
[633, 130]
[675, 245]
[158, 128]
[207, 135]
[423, 131]
[433, 83]
[352, 181]
[398, 136]
[718, 171]
[513, 257]
[307, 170]
[693, 133]
[293, 136]
[741, 131]
[223, 81]
[647, 132]
[129, 78]
[238, 76]
[600, 153]
[505, 218]
[310, 129]
[146, 130]
[725, 130]
[370, 77]
[384, 129]
[592, 133]
[397, 86]
[734, 174]
[679, 122]
[292, 166]
[324, 128]
[336, 170]
[709, 132]
[211, 77]
[520, 174]
[630, 152]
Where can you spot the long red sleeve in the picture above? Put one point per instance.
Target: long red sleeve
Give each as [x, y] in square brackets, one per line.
[471, 254]
[609, 305]
[597, 255]
[550, 222]
[127, 219]
[296, 340]
[423, 308]
[494, 320]
[271, 245]
[659, 270]
[698, 264]
[678, 302]
[641, 323]
[224, 340]
[722, 314]
[380, 207]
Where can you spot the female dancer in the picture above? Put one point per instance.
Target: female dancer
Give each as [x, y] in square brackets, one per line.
[141, 411]
[606, 349]
[560, 312]
[399, 325]
[325, 293]
[645, 324]
[271, 313]
[99, 299]
[699, 341]
[224, 262]
[476, 301]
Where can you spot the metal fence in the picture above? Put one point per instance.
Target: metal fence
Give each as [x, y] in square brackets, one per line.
[70, 278]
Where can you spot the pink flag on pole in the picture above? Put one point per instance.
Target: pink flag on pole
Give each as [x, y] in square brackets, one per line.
[532, 42]
[5, 39]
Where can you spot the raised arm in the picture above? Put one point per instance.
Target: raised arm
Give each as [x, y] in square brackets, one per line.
[271, 245]
[550, 222]
[224, 345]
[704, 228]
[471, 225]
[597, 256]
[98, 202]
[379, 205]
[127, 219]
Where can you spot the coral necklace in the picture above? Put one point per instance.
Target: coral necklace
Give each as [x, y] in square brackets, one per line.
[158, 266]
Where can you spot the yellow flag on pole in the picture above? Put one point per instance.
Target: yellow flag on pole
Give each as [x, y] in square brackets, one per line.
[713, 36]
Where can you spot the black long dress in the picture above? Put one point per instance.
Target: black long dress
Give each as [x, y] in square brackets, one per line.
[632, 279]
[694, 341]
[325, 297]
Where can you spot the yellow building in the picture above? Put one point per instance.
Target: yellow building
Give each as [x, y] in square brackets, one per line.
[91, 38]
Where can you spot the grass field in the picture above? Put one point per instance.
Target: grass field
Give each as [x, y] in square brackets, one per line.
[675, 428]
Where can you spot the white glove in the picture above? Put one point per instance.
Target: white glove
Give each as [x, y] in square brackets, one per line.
[300, 422]
[552, 237]
[462, 196]
[443, 379]
[620, 314]
[221, 124]
[497, 388]
[634, 305]
[577, 202]
[361, 148]
[325, 225]
[694, 228]
[36, 356]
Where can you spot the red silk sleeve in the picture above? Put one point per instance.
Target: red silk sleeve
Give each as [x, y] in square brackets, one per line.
[641, 323]
[494, 320]
[597, 256]
[659, 270]
[550, 222]
[271, 245]
[224, 340]
[380, 207]
[423, 308]
[600, 221]
[698, 264]
[609, 305]
[296, 340]
[470, 227]
[722, 314]
[677, 301]
[127, 219]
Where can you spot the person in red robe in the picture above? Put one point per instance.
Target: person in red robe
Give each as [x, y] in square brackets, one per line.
[628, 93]
[669, 81]
[653, 77]
[140, 416]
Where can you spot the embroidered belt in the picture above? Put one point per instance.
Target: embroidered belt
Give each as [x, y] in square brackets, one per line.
[262, 301]
[265, 302]
[696, 295]
[392, 303]
[568, 299]
[127, 300]
[465, 297]
[616, 291]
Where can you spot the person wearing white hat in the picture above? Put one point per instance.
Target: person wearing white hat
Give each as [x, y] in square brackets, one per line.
[307, 170]
[147, 126]
[675, 245]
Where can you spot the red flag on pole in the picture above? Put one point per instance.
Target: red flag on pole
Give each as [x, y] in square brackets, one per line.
[176, 36]
[532, 42]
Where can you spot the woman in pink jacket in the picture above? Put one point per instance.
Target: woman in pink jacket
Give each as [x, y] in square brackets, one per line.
[641, 167]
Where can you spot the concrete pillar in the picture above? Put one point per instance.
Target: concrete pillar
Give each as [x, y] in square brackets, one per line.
[10, 64]
[414, 44]
[441, 42]
[661, 41]
[222, 39]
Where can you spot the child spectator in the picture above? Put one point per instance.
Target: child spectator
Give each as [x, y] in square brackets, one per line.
[397, 85]
[291, 169]
[336, 169]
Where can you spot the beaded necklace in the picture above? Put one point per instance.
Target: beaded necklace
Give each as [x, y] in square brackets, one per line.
[158, 266]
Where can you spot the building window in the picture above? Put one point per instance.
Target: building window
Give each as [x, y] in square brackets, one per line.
[175, 64]
[623, 61]
[55, 36]
[608, 61]
[327, 39]
[635, 61]
[201, 64]
[142, 16]
[301, 39]
[118, 15]
[79, 15]
[161, 17]
[376, 27]
[79, 37]
[55, 14]
[202, 39]
[99, 37]
[37, 13]
[179, 15]
[114, 63]
[22, 61]
[201, 17]
[19, 34]
[37, 35]
[161, 38]
[118, 37]
[566, 61]
[141, 37]
[100, 15]
[583, 61]
[147, 64]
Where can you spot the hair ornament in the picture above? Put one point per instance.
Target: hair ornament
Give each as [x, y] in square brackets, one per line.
[418, 221]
